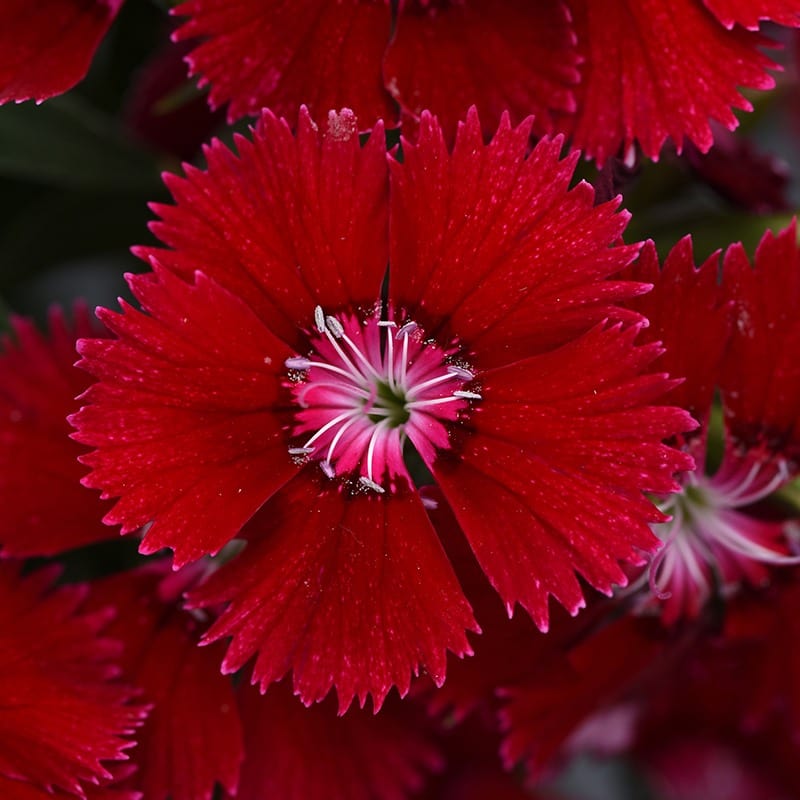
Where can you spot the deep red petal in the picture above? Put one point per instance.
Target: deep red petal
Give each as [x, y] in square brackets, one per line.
[272, 53]
[514, 56]
[20, 790]
[656, 69]
[192, 737]
[184, 415]
[761, 375]
[352, 592]
[492, 248]
[750, 13]
[46, 46]
[356, 757]
[550, 481]
[289, 223]
[690, 316]
[61, 715]
[45, 509]
[541, 714]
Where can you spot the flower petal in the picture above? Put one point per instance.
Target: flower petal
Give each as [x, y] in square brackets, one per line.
[46, 46]
[494, 248]
[352, 592]
[512, 56]
[321, 53]
[655, 69]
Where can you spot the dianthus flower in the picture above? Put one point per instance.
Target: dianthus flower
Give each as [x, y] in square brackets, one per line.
[38, 386]
[279, 378]
[611, 75]
[46, 46]
[739, 338]
[62, 713]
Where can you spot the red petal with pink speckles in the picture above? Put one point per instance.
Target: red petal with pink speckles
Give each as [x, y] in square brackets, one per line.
[514, 56]
[657, 69]
[492, 247]
[46, 46]
[360, 756]
[352, 592]
[38, 385]
[278, 54]
[61, 714]
[184, 415]
[291, 222]
[550, 482]
[750, 13]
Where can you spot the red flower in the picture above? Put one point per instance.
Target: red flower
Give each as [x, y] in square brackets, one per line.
[192, 737]
[357, 757]
[46, 45]
[38, 386]
[655, 69]
[61, 715]
[609, 74]
[714, 539]
[267, 374]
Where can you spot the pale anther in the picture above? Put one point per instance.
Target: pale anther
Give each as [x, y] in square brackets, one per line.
[370, 484]
[297, 362]
[335, 327]
[460, 372]
[300, 451]
[327, 468]
[387, 323]
[467, 395]
[319, 319]
[406, 330]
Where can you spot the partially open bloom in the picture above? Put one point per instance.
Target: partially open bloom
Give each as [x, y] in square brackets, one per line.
[46, 46]
[277, 383]
[741, 338]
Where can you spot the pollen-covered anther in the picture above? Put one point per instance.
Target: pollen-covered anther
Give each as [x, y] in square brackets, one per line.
[366, 389]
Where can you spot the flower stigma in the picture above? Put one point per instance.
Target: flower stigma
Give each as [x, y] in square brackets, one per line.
[366, 389]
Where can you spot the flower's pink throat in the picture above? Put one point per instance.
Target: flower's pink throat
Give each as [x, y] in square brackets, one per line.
[368, 387]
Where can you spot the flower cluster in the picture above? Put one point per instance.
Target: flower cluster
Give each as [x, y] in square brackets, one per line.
[435, 476]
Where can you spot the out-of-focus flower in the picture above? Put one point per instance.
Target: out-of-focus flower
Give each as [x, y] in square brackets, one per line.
[46, 46]
[356, 757]
[740, 337]
[45, 509]
[192, 737]
[62, 713]
[269, 383]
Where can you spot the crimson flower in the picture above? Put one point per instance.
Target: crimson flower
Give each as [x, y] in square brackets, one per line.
[38, 386]
[271, 388]
[610, 75]
[62, 713]
[46, 46]
[739, 337]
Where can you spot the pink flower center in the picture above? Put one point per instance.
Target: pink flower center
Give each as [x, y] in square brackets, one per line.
[368, 388]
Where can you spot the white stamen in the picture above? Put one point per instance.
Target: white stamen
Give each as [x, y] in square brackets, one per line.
[467, 395]
[300, 451]
[370, 484]
[406, 330]
[319, 319]
[387, 323]
[298, 362]
[335, 327]
[460, 372]
[328, 469]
